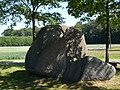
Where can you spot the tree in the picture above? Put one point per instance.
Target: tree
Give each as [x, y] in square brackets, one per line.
[20, 32]
[31, 10]
[106, 12]
[7, 32]
[4, 9]
[78, 26]
[94, 33]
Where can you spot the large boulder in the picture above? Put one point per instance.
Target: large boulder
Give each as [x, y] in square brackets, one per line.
[60, 51]
[88, 68]
[55, 46]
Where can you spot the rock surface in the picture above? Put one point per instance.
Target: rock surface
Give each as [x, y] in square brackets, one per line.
[48, 54]
[60, 51]
[88, 68]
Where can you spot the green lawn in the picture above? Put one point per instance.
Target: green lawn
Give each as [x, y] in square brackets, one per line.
[97, 50]
[101, 54]
[13, 53]
[17, 78]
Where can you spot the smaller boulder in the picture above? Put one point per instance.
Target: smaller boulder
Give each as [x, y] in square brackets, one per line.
[88, 68]
[97, 69]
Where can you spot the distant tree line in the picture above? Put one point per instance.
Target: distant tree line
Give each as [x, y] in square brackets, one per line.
[95, 33]
[20, 32]
[21, 37]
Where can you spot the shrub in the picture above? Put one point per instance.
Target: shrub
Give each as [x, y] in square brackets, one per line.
[15, 41]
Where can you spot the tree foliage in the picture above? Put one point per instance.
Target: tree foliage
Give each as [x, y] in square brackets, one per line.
[20, 32]
[95, 8]
[32, 10]
[6, 14]
[95, 34]
[107, 11]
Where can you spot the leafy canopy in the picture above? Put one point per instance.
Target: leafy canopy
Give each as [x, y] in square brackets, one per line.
[17, 10]
[31, 10]
[97, 8]
[107, 11]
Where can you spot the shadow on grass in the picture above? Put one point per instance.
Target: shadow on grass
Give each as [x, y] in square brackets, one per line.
[21, 79]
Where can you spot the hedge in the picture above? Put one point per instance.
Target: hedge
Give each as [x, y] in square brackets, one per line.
[15, 41]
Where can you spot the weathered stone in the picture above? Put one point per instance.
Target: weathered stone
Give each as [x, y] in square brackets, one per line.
[76, 45]
[54, 46]
[97, 69]
[61, 51]
[88, 68]
[74, 70]
[46, 56]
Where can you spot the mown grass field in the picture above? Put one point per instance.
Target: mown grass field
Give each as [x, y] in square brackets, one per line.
[99, 51]
[19, 53]
[13, 53]
[15, 77]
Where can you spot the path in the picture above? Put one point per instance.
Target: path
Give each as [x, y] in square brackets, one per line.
[12, 62]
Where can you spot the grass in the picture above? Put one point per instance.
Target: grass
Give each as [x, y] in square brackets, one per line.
[18, 53]
[101, 54]
[13, 53]
[99, 51]
[17, 78]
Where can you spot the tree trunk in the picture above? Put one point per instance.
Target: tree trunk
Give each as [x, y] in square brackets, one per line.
[107, 33]
[107, 44]
[33, 29]
[110, 38]
[33, 24]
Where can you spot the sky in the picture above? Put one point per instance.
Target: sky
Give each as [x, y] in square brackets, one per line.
[69, 20]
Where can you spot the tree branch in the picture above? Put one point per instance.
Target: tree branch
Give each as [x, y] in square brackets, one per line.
[26, 5]
[38, 7]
